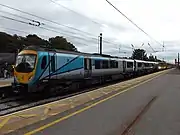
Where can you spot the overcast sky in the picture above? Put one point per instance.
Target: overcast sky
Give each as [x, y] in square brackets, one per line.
[159, 18]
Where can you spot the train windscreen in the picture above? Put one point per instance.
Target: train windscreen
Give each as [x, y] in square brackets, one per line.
[25, 63]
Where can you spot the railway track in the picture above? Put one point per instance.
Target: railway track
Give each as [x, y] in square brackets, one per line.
[16, 103]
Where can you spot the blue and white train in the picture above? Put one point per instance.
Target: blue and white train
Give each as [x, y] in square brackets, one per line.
[37, 68]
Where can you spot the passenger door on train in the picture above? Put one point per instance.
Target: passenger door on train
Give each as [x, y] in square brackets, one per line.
[135, 64]
[87, 67]
[53, 65]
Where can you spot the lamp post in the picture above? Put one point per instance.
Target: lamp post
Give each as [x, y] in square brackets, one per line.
[100, 43]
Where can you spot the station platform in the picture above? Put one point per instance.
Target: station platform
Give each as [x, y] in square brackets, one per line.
[6, 82]
[148, 108]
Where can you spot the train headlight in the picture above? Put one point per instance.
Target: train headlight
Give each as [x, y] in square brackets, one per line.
[159, 67]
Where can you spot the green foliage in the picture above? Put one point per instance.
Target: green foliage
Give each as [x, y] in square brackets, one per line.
[34, 40]
[9, 43]
[152, 58]
[61, 43]
[139, 54]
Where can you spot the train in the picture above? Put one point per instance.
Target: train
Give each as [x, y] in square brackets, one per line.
[41, 68]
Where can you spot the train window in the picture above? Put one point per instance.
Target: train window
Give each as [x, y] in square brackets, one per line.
[109, 64]
[146, 64]
[97, 64]
[116, 64]
[85, 64]
[139, 64]
[44, 62]
[129, 64]
[52, 63]
[104, 64]
[113, 64]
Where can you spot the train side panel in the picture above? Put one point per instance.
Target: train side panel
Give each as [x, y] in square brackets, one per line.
[66, 66]
[106, 66]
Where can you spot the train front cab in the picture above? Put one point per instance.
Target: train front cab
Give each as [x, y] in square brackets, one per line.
[24, 70]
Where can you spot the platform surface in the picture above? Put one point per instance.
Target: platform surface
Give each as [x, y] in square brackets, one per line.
[117, 114]
[6, 82]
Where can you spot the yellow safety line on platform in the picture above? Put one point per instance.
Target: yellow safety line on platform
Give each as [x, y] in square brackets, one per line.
[4, 122]
[88, 107]
[26, 115]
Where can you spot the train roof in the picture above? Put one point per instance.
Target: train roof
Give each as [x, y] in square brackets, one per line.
[129, 60]
[140, 61]
[37, 48]
[47, 49]
[145, 61]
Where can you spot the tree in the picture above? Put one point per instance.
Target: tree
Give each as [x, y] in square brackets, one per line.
[11, 43]
[61, 43]
[152, 58]
[139, 54]
[34, 40]
[7, 43]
